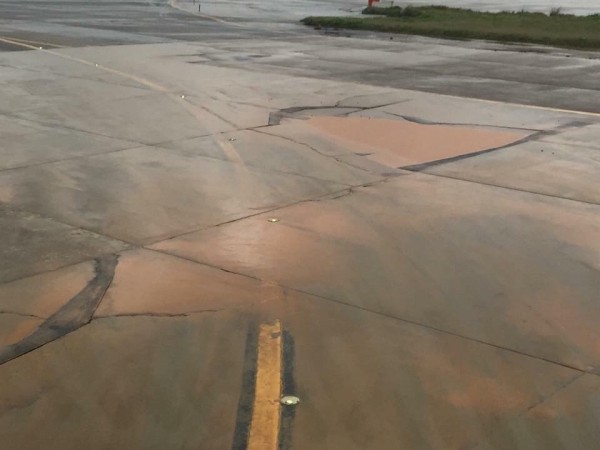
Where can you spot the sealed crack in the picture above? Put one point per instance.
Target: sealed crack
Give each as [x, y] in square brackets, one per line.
[15, 313]
[152, 314]
[73, 315]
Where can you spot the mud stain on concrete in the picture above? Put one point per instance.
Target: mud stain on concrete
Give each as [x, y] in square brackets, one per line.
[400, 143]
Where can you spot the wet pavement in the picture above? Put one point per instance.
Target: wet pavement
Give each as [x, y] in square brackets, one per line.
[191, 229]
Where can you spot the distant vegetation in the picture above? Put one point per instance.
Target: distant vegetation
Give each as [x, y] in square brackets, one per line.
[555, 28]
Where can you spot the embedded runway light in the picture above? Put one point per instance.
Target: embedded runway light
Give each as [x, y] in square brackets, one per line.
[290, 400]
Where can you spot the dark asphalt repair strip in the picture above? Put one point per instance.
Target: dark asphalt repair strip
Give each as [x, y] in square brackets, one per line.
[288, 387]
[246, 401]
[423, 166]
[76, 313]
[248, 390]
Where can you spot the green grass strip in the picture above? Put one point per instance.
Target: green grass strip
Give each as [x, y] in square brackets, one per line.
[556, 29]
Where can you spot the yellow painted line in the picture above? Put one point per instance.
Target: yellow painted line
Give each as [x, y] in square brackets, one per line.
[27, 41]
[137, 79]
[266, 412]
[20, 44]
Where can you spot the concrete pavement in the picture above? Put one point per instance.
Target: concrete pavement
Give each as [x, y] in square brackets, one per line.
[431, 261]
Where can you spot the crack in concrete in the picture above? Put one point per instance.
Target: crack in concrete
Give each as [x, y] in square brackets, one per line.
[15, 313]
[553, 394]
[541, 401]
[152, 314]
[70, 158]
[420, 121]
[323, 197]
[73, 315]
[386, 315]
[509, 188]
[336, 158]
[50, 125]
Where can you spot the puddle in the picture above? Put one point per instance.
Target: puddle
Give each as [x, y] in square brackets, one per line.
[399, 143]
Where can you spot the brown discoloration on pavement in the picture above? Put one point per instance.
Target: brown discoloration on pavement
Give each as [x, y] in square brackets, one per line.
[42, 295]
[420, 248]
[128, 383]
[148, 282]
[404, 386]
[399, 143]
[14, 328]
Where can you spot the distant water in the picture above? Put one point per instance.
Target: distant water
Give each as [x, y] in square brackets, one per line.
[578, 7]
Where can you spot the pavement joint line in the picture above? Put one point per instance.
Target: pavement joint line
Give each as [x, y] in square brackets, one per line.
[71, 158]
[312, 296]
[508, 188]
[310, 147]
[52, 125]
[553, 394]
[326, 196]
[441, 330]
[532, 407]
[261, 169]
[156, 314]
[15, 313]
[451, 124]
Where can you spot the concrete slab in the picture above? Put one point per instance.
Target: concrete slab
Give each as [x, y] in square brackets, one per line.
[114, 118]
[375, 100]
[565, 420]
[44, 294]
[150, 193]
[262, 151]
[453, 110]
[300, 132]
[239, 115]
[39, 144]
[14, 128]
[513, 269]
[557, 169]
[368, 381]
[175, 380]
[142, 382]
[14, 327]
[152, 283]
[588, 136]
[445, 314]
[31, 244]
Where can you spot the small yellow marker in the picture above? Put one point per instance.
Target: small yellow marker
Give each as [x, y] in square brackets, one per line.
[264, 426]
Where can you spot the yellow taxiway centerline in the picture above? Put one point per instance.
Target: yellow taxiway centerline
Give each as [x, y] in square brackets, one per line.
[266, 412]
